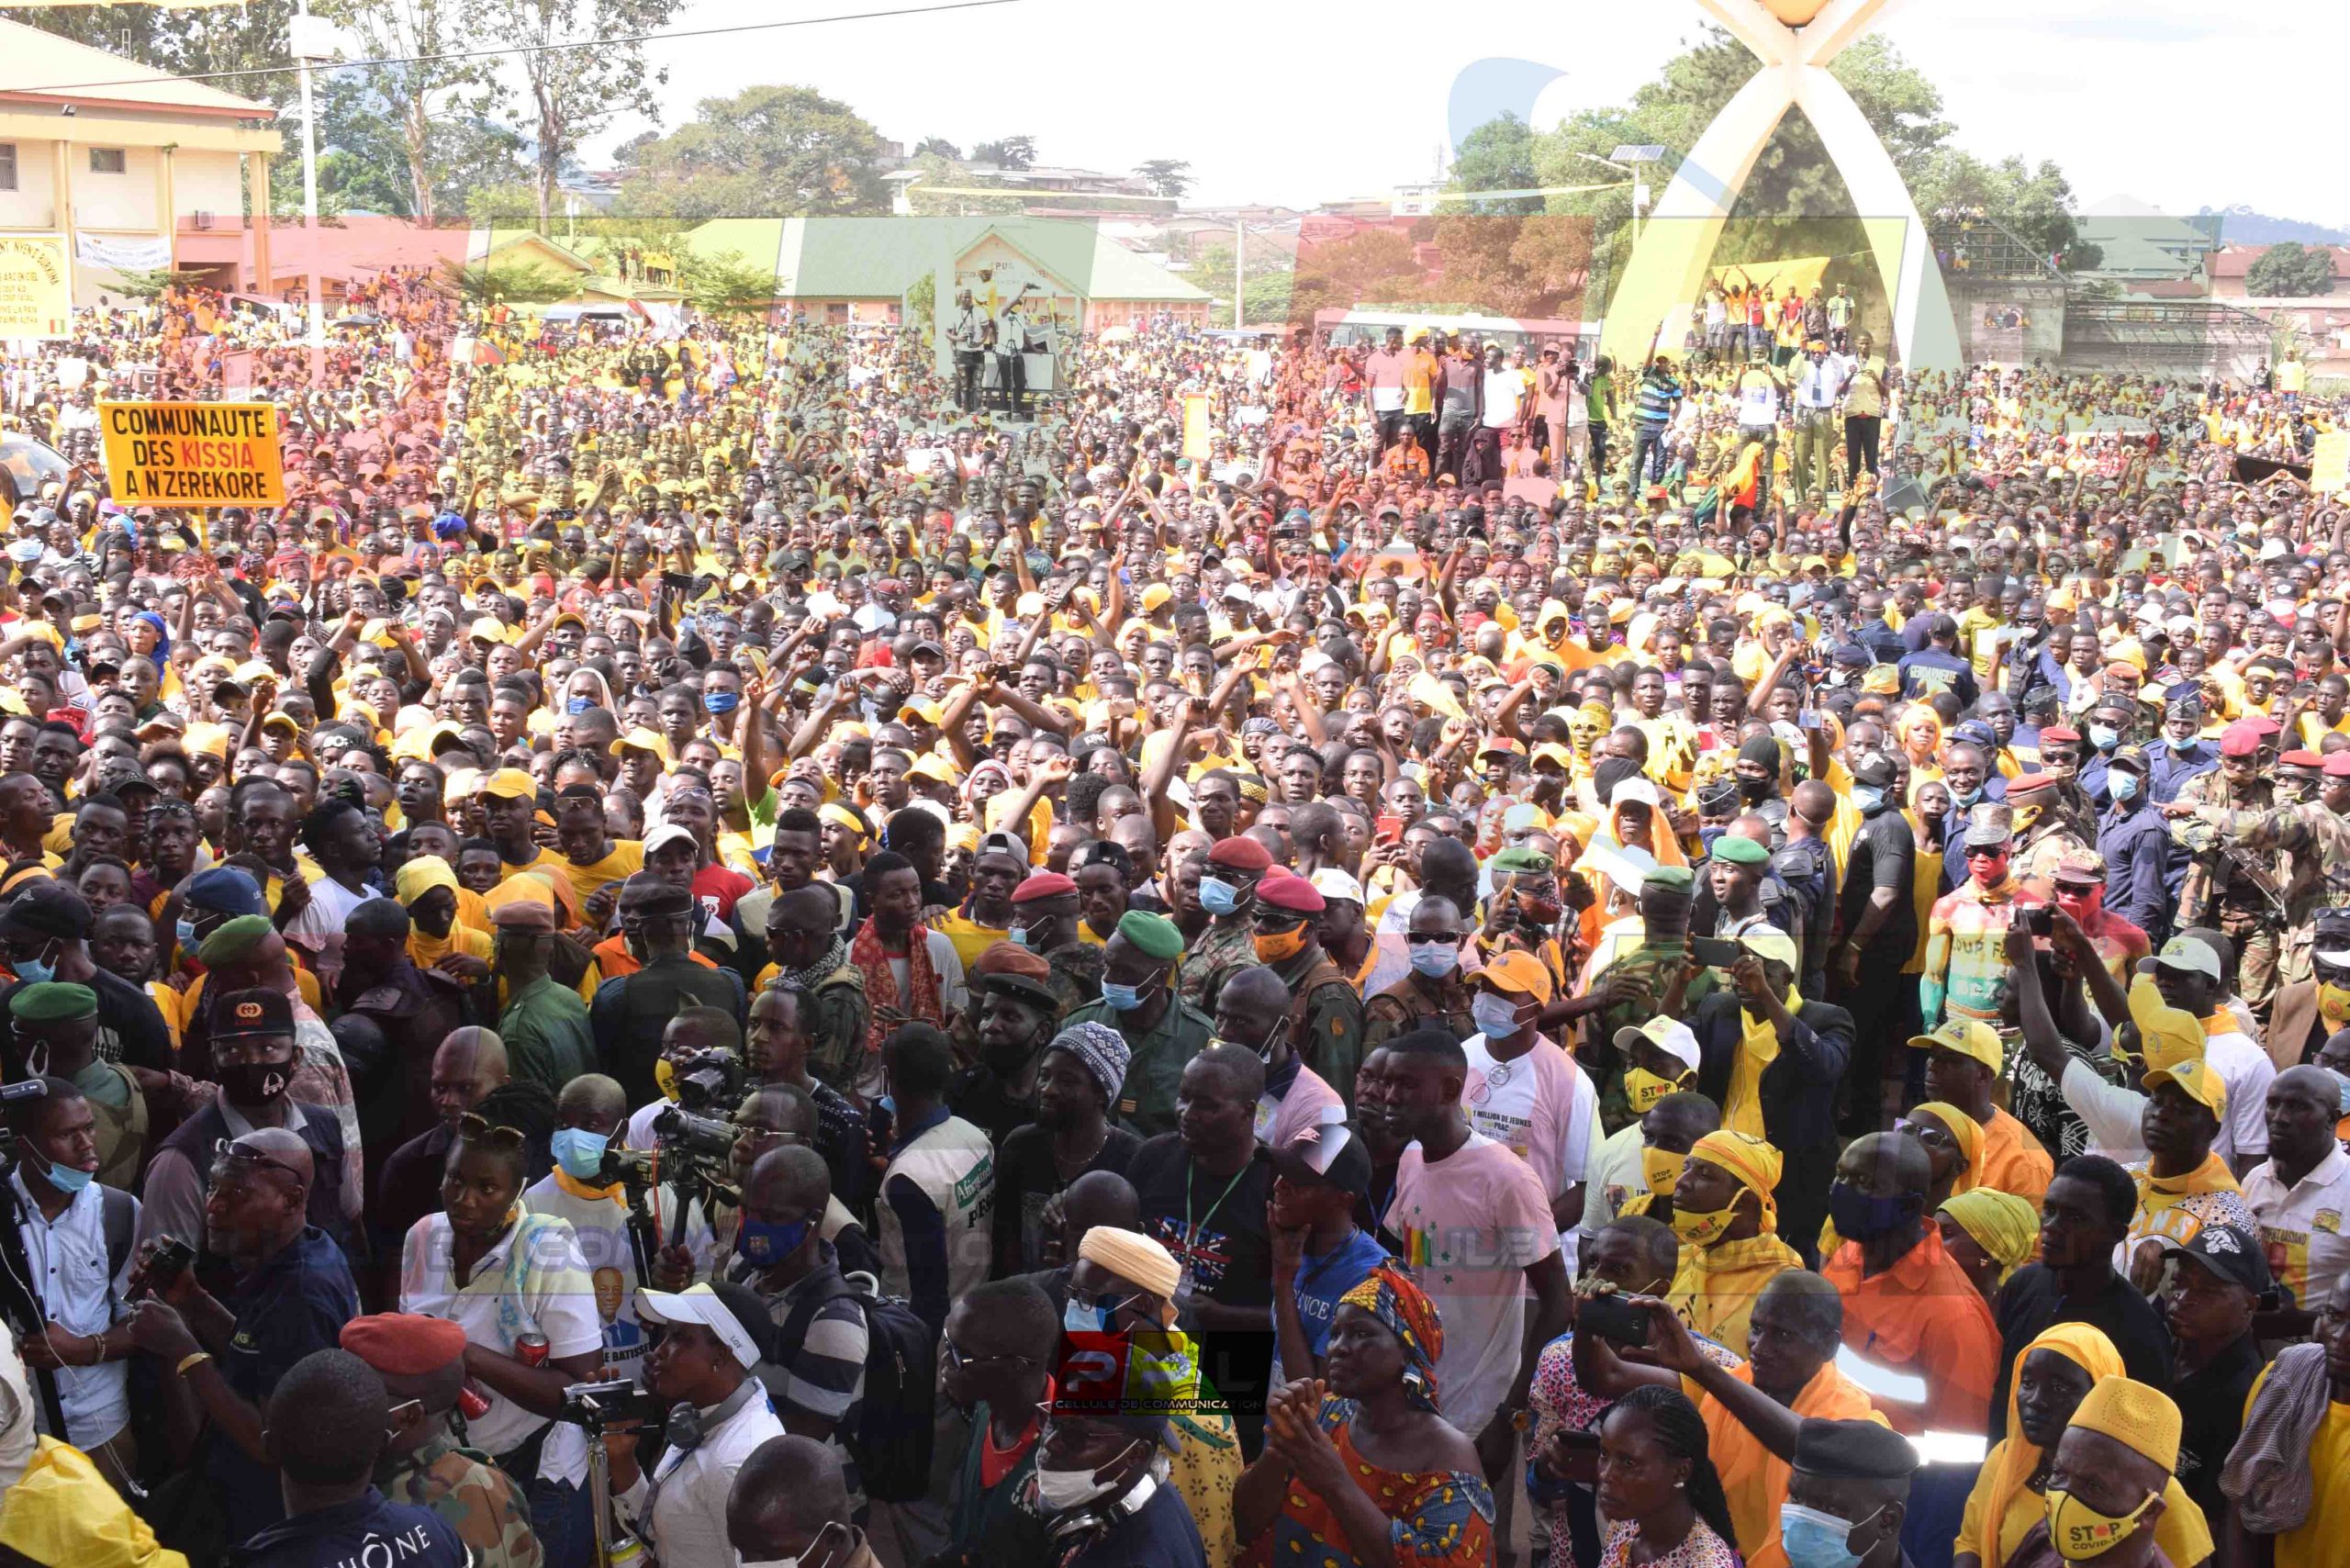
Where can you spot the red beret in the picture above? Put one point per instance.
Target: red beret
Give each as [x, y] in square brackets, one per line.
[2058, 733]
[404, 1344]
[2240, 739]
[2337, 764]
[2262, 725]
[2301, 759]
[1042, 885]
[1289, 891]
[1241, 853]
[2031, 783]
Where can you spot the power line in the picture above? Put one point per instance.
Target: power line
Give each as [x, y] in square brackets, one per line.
[527, 49]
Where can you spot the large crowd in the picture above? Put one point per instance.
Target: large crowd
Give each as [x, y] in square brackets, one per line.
[711, 949]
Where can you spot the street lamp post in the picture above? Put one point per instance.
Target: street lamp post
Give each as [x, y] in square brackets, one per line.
[310, 41]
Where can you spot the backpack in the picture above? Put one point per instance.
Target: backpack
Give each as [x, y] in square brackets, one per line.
[891, 1439]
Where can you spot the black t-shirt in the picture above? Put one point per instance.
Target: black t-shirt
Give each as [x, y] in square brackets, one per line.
[1214, 1225]
[1026, 1179]
[1883, 854]
[2210, 1407]
[2033, 1300]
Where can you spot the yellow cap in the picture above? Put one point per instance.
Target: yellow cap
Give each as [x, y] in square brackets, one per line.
[1967, 1037]
[1522, 973]
[642, 739]
[2196, 1076]
[511, 784]
[2141, 1419]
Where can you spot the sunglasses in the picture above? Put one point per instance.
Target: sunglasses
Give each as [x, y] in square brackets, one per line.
[476, 1128]
[225, 1152]
[958, 1361]
[1424, 938]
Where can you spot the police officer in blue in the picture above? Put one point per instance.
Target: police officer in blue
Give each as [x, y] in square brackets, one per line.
[328, 1423]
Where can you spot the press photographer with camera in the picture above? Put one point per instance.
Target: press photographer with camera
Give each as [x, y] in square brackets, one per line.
[513, 1280]
[775, 1115]
[700, 1061]
[712, 1338]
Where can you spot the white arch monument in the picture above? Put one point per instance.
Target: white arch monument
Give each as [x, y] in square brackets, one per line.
[1795, 39]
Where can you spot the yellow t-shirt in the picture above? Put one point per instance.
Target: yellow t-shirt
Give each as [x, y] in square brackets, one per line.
[2316, 1544]
[623, 860]
[970, 939]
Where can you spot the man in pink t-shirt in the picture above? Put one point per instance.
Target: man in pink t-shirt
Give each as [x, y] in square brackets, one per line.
[1473, 1222]
[1252, 1009]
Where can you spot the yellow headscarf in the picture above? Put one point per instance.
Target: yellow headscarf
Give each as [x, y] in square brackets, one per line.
[422, 875]
[1753, 1161]
[1968, 1131]
[2002, 1224]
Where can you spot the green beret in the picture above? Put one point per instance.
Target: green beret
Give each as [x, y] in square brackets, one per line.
[234, 939]
[1522, 859]
[1679, 878]
[1154, 934]
[49, 1000]
[1740, 850]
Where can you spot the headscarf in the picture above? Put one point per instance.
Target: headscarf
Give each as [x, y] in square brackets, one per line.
[421, 874]
[1968, 1131]
[2002, 1224]
[2017, 1458]
[1389, 1294]
[841, 816]
[1752, 1160]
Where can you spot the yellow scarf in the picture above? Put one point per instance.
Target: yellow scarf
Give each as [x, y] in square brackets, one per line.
[2160, 1191]
[1716, 1286]
[1758, 1047]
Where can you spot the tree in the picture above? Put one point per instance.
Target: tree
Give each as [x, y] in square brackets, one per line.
[570, 94]
[782, 150]
[938, 147]
[726, 283]
[1012, 153]
[1372, 266]
[250, 36]
[1496, 156]
[1168, 176]
[516, 283]
[1269, 288]
[2289, 270]
[424, 87]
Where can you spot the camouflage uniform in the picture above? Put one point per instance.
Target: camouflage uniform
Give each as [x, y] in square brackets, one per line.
[836, 1034]
[1325, 1019]
[476, 1498]
[1076, 976]
[2313, 849]
[2224, 890]
[1406, 1005]
[2051, 839]
[1230, 943]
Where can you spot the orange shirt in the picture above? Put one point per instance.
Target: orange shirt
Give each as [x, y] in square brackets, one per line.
[1922, 1317]
[2013, 1160]
[1754, 1479]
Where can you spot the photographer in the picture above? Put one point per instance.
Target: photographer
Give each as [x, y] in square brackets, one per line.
[502, 1273]
[704, 1038]
[776, 1115]
[712, 1337]
[776, 1046]
[77, 1282]
[292, 1293]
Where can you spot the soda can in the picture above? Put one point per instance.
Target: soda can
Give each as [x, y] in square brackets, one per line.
[472, 1400]
[530, 1349]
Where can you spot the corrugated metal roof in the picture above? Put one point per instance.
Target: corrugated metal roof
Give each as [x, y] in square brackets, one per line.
[879, 258]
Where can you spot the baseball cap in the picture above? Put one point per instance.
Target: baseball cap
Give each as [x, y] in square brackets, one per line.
[2192, 954]
[2198, 1078]
[1969, 1037]
[1334, 884]
[733, 1312]
[1522, 973]
[1670, 1036]
[242, 1014]
[511, 784]
[2232, 1252]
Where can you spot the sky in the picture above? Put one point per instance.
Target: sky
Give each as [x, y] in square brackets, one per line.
[1300, 102]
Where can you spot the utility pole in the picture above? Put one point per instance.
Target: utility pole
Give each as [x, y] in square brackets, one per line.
[310, 42]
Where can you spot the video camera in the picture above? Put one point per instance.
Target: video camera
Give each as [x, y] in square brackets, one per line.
[709, 1079]
[601, 1406]
[690, 1139]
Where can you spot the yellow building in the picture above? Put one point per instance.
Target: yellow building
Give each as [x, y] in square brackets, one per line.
[133, 169]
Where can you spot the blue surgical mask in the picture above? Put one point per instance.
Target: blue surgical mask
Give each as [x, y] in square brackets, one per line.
[765, 1243]
[1435, 959]
[2344, 1079]
[1494, 1015]
[579, 1152]
[1814, 1540]
[1017, 935]
[33, 971]
[2104, 737]
[1217, 896]
[1080, 1319]
[2183, 743]
[2124, 786]
[186, 931]
[68, 1179]
[1866, 797]
[1967, 799]
[1122, 998]
[579, 704]
[721, 701]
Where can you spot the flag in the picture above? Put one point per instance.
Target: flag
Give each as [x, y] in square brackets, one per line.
[487, 353]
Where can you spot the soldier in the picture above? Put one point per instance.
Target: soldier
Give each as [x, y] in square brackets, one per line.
[2226, 889]
[1044, 920]
[2311, 840]
[1228, 892]
[2045, 834]
[422, 1363]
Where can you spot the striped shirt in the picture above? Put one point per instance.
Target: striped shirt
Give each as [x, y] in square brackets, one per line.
[824, 1374]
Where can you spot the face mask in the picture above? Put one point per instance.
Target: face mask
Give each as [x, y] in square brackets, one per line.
[807, 1559]
[1271, 1043]
[1967, 799]
[579, 1152]
[579, 704]
[1660, 1167]
[1643, 1088]
[1866, 799]
[665, 1077]
[1434, 960]
[1703, 1228]
[186, 931]
[1857, 1215]
[2124, 786]
[1814, 1540]
[1280, 948]
[1062, 1490]
[2182, 742]
[1495, 1016]
[2078, 1530]
[254, 1083]
[1078, 1318]
[1124, 998]
[721, 701]
[765, 1243]
[1755, 792]
[69, 1180]
[34, 971]
[2344, 1079]
[1218, 897]
[2025, 816]
[2104, 737]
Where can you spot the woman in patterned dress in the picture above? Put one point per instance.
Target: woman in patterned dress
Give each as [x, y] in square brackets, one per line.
[1361, 1472]
[1658, 1488]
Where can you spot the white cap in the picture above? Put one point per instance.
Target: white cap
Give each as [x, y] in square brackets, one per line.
[1668, 1034]
[700, 1303]
[668, 834]
[1333, 883]
[1635, 788]
[2192, 954]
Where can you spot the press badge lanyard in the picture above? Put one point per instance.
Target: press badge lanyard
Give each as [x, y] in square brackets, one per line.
[1192, 1230]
